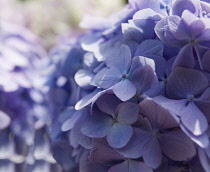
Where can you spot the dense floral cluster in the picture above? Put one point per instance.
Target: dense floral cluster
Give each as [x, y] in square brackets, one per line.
[24, 144]
[133, 93]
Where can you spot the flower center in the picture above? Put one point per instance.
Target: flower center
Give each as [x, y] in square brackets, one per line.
[124, 76]
[190, 98]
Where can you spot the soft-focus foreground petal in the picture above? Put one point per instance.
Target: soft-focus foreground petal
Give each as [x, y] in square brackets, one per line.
[4, 120]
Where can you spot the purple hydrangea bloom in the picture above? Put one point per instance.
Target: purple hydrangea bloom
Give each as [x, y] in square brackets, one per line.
[133, 94]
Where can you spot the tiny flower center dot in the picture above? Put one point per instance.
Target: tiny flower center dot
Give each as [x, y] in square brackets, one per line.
[190, 98]
[124, 76]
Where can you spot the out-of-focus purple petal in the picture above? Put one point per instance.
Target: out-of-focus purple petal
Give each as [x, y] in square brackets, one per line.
[141, 4]
[95, 22]
[83, 78]
[86, 100]
[119, 135]
[4, 120]
[124, 90]
[177, 146]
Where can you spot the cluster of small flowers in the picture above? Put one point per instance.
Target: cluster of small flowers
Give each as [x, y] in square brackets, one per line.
[24, 136]
[133, 93]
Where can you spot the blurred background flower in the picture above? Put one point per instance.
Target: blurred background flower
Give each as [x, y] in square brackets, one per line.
[50, 19]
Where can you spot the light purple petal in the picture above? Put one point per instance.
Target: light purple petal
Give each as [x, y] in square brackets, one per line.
[108, 77]
[177, 146]
[140, 61]
[97, 125]
[194, 120]
[83, 78]
[120, 60]
[128, 113]
[152, 153]
[119, 135]
[124, 90]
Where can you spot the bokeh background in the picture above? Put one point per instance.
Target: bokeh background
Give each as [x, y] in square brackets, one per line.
[52, 19]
